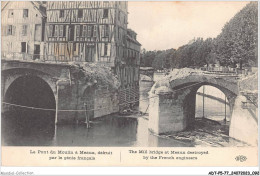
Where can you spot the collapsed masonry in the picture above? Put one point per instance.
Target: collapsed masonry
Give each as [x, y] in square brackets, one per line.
[94, 91]
[244, 121]
[173, 100]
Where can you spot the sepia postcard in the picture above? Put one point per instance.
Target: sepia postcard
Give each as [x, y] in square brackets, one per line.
[129, 83]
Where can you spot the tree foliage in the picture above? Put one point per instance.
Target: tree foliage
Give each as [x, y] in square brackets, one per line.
[237, 43]
[194, 54]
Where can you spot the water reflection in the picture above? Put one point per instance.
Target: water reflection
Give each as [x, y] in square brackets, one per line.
[144, 89]
[110, 131]
[27, 128]
[24, 128]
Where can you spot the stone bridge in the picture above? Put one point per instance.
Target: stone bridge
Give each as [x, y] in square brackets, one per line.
[61, 88]
[173, 100]
[148, 71]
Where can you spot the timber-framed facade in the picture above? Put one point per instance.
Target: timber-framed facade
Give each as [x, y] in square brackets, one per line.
[75, 31]
[96, 32]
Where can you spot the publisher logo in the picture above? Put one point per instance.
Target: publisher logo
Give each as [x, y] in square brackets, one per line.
[241, 158]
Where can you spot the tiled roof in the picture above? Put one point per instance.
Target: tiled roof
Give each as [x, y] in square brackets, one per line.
[133, 40]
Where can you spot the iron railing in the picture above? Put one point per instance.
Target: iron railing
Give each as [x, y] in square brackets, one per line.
[226, 70]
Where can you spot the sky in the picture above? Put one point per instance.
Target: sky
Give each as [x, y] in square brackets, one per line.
[165, 25]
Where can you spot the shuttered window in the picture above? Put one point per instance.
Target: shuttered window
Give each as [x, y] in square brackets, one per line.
[24, 30]
[10, 30]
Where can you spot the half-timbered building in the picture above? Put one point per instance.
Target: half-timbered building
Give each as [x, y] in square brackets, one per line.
[22, 33]
[95, 31]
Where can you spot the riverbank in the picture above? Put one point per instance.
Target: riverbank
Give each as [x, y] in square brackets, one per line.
[206, 133]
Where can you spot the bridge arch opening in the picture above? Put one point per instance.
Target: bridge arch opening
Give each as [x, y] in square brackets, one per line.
[207, 107]
[32, 124]
[212, 103]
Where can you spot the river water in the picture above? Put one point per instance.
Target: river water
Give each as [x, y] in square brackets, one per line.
[112, 130]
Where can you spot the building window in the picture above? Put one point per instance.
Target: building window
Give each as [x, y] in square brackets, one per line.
[64, 31]
[56, 32]
[25, 13]
[118, 33]
[106, 30]
[89, 31]
[80, 13]
[10, 30]
[80, 30]
[71, 32]
[23, 47]
[24, 30]
[61, 31]
[84, 32]
[77, 30]
[61, 13]
[51, 31]
[95, 31]
[74, 47]
[105, 49]
[10, 13]
[105, 13]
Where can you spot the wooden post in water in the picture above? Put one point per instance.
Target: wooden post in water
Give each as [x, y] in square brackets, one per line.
[87, 116]
[203, 100]
[225, 120]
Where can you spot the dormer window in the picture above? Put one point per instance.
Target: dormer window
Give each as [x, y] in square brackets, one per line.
[25, 13]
